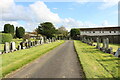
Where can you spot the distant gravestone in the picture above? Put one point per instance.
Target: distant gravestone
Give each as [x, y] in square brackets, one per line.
[19, 47]
[22, 45]
[107, 43]
[6, 47]
[104, 44]
[12, 46]
[98, 43]
[29, 44]
[26, 44]
[117, 54]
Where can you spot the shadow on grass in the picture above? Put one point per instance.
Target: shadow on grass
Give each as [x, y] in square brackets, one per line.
[109, 59]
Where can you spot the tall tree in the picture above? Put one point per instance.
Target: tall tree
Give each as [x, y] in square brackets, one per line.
[46, 29]
[74, 33]
[20, 32]
[8, 28]
[62, 30]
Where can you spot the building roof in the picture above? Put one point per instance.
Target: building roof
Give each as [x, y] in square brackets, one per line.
[101, 28]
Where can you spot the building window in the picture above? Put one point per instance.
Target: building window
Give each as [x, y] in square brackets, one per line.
[102, 31]
[110, 31]
[93, 31]
[114, 31]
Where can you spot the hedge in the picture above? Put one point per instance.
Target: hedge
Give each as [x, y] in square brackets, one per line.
[5, 37]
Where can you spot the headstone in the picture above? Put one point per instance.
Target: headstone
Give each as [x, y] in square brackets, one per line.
[29, 44]
[12, 46]
[98, 43]
[22, 45]
[107, 43]
[19, 47]
[104, 44]
[117, 54]
[6, 47]
[35, 43]
[26, 44]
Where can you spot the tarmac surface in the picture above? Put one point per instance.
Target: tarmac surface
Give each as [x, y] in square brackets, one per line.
[61, 62]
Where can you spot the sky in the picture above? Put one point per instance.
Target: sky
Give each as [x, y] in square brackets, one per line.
[69, 13]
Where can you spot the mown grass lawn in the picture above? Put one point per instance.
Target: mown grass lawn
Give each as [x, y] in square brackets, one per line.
[17, 59]
[97, 64]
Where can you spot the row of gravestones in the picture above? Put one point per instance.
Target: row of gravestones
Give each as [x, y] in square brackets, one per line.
[105, 48]
[10, 47]
[88, 41]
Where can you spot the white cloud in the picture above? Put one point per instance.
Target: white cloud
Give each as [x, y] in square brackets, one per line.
[108, 4]
[34, 14]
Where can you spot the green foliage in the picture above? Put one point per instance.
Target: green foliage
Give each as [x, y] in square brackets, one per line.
[95, 63]
[8, 28]
[20, 31]
[17, 59]
[62, 31]
[74, 33]
[6, 37]
[26, 36]
[46, 29]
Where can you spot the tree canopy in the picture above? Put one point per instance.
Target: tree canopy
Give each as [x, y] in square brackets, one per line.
[74, 32]
[8, 28]
[20, 31]
[47, 29]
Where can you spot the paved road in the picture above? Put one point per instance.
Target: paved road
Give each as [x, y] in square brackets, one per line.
[61, 62]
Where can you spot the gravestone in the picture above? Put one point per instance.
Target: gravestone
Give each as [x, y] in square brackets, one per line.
[104, 44]
[29, 44]
[19, 47]
[6, 47]
[91, 41]
[26, 44]
[107, 43]
[98, 43]
[22, 45]
[117, 54]
[35, 43]
[12, 46]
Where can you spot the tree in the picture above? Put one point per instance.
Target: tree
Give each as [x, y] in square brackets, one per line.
[8, 28]
[74, 33]
[62, 30]
[46, 29]
[20, 31]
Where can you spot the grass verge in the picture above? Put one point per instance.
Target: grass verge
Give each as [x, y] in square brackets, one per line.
[15, 60]
[95, 63]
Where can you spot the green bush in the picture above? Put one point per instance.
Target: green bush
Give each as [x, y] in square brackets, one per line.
[5, 37]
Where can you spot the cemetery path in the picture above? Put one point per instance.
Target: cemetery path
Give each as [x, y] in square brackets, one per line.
[61, 62]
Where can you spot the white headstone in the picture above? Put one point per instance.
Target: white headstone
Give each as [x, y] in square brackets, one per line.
[6, 47]
[12, 46]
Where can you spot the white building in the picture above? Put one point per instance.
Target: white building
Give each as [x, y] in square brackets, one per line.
[113, 33]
